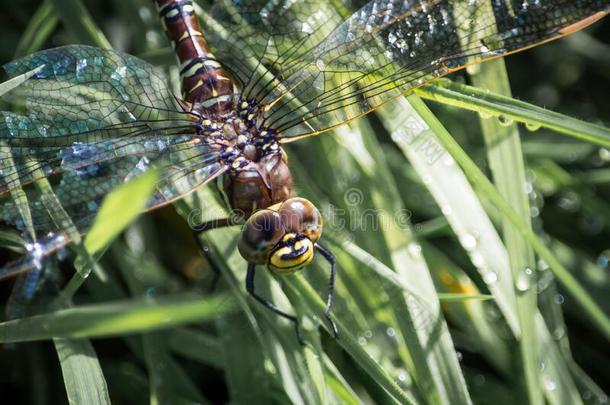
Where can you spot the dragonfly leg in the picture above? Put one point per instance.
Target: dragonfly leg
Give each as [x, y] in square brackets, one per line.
[267, 303]
[205, 250]
[331, 286]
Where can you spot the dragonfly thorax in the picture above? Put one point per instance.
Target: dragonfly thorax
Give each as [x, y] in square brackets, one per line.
[258, 184]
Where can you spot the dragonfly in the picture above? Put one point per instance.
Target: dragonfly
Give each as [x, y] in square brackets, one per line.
[255, 75]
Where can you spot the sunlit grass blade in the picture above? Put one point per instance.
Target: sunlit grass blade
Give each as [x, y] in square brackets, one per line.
[490, 104]
[119, 208]
[475, 175]
[113, 318]
[505, 158]
[456, 198]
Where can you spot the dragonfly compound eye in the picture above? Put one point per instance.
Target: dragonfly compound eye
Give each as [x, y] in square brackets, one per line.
[300, 216]
[293, 253]
[262, 231]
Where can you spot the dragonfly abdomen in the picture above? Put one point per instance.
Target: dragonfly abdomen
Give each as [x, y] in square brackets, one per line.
[203, 79]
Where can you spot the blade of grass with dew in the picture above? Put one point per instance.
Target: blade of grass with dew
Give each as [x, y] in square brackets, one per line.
[508, 171]
[83, 377]
[409, 146]
[373, 191]
[437, 363]
[496, 104]
[457, 201]
[78, 21]
[470, 317]
[40, 27]
[590, 307]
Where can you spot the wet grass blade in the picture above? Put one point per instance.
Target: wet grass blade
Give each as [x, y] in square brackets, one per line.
[505, 158]
[476, 176]
[495, 104]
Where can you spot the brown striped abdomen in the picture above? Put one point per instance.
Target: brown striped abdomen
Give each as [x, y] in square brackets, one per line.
[203, 79]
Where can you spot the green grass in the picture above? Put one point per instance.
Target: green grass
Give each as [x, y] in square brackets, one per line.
[480, 282]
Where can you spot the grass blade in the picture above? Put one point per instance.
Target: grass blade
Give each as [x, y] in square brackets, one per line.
[83, 377]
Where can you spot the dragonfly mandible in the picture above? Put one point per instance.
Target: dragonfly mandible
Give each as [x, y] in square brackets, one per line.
[266, 73]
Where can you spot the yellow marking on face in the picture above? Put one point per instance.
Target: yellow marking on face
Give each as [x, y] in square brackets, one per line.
[184, 36]
[214, 92]
[282, 265]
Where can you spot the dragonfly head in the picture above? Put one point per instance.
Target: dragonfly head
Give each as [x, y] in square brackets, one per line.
[282, 237]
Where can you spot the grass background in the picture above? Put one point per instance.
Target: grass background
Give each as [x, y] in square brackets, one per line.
[509, 202]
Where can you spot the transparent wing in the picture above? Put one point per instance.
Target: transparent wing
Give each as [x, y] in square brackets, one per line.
[89, 119]
[329, 71]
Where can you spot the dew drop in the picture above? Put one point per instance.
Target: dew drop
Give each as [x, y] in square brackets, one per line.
[468, 241]
[524, 280]
[485, 115]
[390, 332]
[473, 69]
[549, 385]
[477, 260]
[558, 299]
[490, 277]
[603, 260]
[532, 126]
[505, 121]
[570, 201]
[559, 333]
[414, 250]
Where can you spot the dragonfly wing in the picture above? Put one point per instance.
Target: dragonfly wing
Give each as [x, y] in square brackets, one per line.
[383, 50]
[92, 119]
[256, 39]
[81, 88]
[83, 182]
